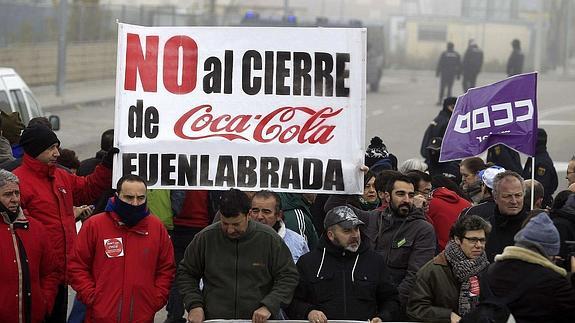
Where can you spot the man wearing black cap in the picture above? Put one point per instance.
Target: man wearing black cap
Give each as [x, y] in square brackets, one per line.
[49, 193]
[438, 126]
[448, 169]
[342, 278]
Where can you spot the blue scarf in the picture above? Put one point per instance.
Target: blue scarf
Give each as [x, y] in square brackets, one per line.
[129, 214]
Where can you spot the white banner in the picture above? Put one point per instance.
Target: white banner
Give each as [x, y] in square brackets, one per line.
[251, 108]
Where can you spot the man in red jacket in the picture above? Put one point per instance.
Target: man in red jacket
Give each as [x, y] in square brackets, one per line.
[49, 194]
[123, 262]
[29, 276]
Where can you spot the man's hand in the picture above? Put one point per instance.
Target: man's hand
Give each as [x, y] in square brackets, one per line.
[317, 317]
[455, 318]
[196, 315]
[419, 201]
[364, 168]
[375, 320]
[572, 264]
[261, 315]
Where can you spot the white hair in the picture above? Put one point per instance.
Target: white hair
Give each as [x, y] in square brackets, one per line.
[413, 164]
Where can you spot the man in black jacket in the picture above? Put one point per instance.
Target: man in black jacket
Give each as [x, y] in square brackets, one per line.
[509, 212]
[342, 279]
[448, 68]
[438, 126]
[472, 62]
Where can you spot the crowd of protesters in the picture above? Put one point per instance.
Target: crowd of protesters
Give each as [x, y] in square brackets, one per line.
[426, 241]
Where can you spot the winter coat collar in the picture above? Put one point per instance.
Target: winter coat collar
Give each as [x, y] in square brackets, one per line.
[282, 229]
[523, 254]
[40, 168]
[140, 228]
[440, 259]
[21, 220]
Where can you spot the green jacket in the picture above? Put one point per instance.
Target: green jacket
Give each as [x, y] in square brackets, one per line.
[239, 275]
[297, 217]
[160, 205]
[435, 293]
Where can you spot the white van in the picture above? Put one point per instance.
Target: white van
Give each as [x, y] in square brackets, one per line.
[16, 96]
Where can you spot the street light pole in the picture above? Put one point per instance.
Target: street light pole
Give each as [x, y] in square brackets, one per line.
[61, 75]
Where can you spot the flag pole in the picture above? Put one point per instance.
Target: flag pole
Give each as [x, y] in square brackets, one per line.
[532, 181]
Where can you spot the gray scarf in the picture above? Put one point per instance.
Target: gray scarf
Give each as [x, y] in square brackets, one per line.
[466, 271]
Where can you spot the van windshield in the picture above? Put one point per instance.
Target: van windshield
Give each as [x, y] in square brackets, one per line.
[20, 104]
[34, 106]
[4, 102]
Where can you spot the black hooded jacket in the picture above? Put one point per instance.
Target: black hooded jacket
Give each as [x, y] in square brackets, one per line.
[503, 230]
[344, 285]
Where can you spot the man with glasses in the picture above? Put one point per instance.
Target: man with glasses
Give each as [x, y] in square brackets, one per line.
[447, 287]
[509, 213]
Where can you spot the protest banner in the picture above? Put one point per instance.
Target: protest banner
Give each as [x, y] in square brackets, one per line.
[251, 108]
[504, 112]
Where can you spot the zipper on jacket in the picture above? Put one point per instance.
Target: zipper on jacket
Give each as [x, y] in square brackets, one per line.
[236, 289]
[19, 265]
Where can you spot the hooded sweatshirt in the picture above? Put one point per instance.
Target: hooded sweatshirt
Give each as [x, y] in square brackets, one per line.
[444, 209]
[344, 285]
[406, 243]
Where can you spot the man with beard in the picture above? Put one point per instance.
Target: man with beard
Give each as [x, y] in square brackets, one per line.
[400, 232]
[447, 287]
[342, 279]
[509, 213]
[123, 256]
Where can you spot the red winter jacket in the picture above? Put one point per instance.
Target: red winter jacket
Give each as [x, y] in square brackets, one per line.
[29, 266]
[122, 274]
[444, 209]
[49, 193]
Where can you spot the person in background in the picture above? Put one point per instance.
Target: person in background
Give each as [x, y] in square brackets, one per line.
[515, 61]
[437, 127]
[412, 164]
[448, 68]
[537, 198]
[369, 200]
[472, 62]
[570, 173]
[448, 169]
[378, 158]
[69, 160]
[486, 207]
[470, 180]
[445, 206]
[545, 172]
[563, 216]
[297, 215]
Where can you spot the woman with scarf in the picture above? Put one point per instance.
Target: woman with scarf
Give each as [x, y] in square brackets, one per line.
[470, 179]
[447, 287]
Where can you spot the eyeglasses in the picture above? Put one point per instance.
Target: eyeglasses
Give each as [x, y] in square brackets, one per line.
[476, 240]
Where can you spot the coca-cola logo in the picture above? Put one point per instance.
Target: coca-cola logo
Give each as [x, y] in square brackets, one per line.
[282, 125]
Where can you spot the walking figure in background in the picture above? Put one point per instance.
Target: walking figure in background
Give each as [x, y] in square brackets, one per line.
[448, 67]
[472, 62]
[515, 61]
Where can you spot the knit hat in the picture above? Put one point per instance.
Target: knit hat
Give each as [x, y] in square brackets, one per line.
[488, 175]
[375, 151]
[36, 139]
[540, 232]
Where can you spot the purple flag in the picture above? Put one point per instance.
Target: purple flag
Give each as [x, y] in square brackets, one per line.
[504, 112]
